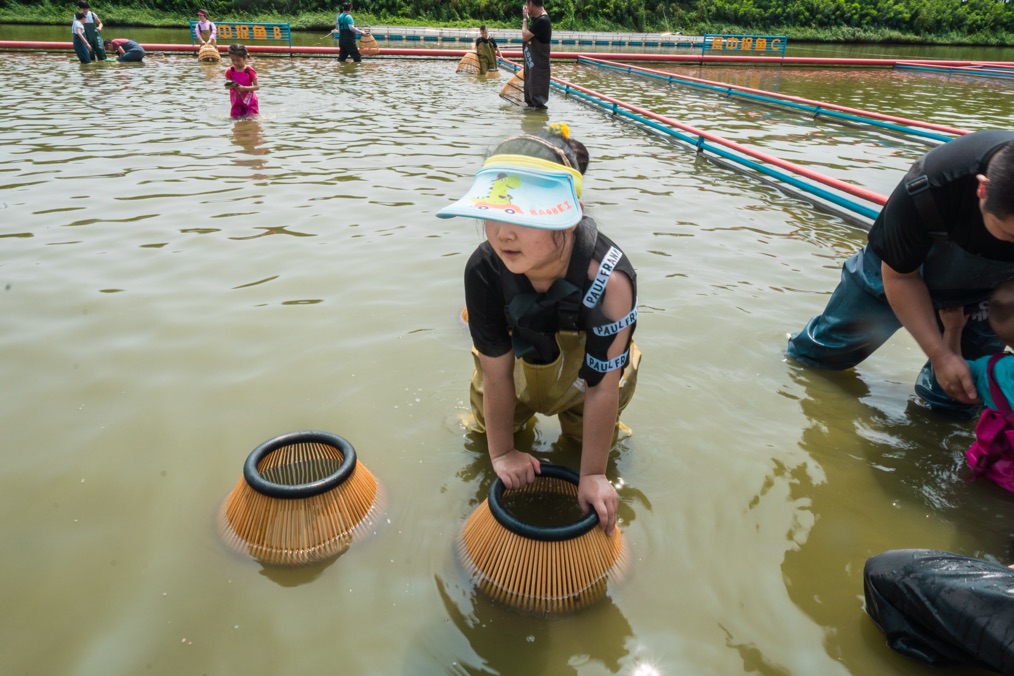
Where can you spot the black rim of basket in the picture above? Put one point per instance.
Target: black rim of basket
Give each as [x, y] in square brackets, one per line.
[288, 491]
[545, 533]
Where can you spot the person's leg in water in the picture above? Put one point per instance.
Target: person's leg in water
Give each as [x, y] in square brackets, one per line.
[477, 423]
[83, 51]
[132, 56]
[95, 41]
[856, 322]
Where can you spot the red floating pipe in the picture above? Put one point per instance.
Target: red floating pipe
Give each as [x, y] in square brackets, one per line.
[809, 102]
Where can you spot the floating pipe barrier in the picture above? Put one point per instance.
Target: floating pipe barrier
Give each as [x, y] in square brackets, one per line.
[973, 71]
[666, 126]
[890, 122]
[28, 45]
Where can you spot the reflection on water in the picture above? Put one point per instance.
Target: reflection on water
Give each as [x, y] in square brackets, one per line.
[497, 641]
[248, 134]
[914, 477]
[176, 286]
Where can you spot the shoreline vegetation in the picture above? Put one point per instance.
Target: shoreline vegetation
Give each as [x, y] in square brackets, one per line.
[934, 22]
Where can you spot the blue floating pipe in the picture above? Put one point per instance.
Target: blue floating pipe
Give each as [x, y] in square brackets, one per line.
[958, 71]
[703, 145]
[816, 110]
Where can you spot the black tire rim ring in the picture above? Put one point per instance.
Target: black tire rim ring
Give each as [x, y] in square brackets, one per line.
[544, 533]
[290, 492]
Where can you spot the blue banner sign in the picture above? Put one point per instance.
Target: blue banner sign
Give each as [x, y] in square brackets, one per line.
[760, 44]
[231, 31]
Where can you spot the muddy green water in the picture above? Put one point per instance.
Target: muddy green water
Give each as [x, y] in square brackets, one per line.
[177, 287]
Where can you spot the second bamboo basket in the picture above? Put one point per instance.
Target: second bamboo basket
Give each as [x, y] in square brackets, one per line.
[303, 498]
[540, 569]
[514, 90]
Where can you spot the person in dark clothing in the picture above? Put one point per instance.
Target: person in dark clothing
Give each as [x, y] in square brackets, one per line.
[552, 307]
[93, 30]
[347, 31]
[945, 238]
[536, 32]
[487, 50]
[943, 609]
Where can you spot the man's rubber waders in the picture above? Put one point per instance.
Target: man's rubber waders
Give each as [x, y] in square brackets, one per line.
[554, 389]
[487, 57]
[858, 318]
[94, 38]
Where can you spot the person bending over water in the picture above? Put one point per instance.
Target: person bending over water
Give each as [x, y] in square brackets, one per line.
[126, 51]
[944, 238]
[552, 308]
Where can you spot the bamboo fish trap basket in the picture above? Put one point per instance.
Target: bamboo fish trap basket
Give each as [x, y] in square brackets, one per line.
[208, 53]
[368, 45]
[514, 90]
[540, 569]
[303, 498]
[469, 63]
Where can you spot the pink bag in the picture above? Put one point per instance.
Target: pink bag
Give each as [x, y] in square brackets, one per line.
[992, 454]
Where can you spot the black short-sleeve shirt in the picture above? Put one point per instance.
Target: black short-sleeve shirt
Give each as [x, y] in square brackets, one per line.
[902, 237]
[542, 29]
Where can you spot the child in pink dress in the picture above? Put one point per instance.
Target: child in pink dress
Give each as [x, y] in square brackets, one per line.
[241, 80]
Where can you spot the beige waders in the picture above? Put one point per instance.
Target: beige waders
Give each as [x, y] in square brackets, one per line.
[554, 389]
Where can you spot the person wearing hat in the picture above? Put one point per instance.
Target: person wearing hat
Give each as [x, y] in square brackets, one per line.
[205, 31]
[551, 306]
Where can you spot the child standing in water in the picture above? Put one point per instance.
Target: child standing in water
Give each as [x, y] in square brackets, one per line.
[551, 308]
[77, 31]
[241, 80]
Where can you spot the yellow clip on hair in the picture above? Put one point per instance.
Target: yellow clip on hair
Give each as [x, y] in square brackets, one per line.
[561, 129]
[526, 162]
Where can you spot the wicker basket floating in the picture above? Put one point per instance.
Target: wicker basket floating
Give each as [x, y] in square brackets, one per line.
[208, 53]
[303, 498]
[540, 569]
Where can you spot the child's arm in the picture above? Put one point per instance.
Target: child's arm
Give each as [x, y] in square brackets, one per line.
[953, 320]
[252, 87]
[516, 469]
[601, 411]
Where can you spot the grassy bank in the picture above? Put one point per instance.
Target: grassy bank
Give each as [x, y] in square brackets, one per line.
[47, 13]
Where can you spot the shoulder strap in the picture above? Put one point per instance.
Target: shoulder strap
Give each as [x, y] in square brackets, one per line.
[918, 188]
[999, 400]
